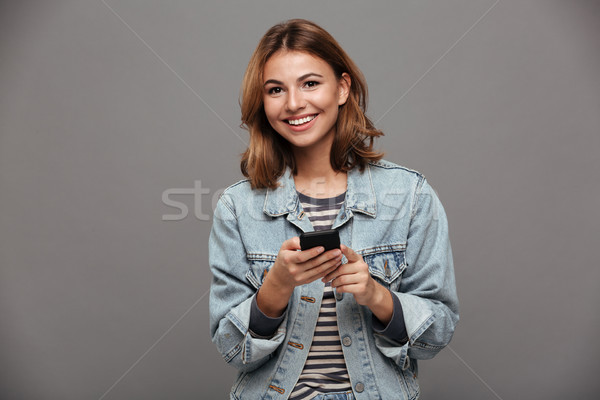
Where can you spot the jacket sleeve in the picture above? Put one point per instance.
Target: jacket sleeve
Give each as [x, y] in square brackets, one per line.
[231, 296]
[427, 291]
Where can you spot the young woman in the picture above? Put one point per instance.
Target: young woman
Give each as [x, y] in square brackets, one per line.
[347, 323]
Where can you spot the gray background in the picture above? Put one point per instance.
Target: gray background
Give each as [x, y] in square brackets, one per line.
[105, 105]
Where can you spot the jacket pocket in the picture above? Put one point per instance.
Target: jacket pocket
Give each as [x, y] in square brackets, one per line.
[411, 379]
[260, 265]
[408, 379]
[386, 264]
[240, 384]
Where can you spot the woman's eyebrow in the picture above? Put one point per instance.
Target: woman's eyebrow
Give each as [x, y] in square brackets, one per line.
[273, 81]
[303, 77]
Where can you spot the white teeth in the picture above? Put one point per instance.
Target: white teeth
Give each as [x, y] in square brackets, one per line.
[301, 120]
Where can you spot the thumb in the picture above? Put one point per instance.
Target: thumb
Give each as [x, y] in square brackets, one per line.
[350, 254]
[291, 244]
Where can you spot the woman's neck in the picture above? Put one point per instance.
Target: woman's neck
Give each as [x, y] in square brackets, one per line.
[315, 177]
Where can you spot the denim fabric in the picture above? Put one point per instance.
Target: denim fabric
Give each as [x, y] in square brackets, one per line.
[394, 219]
[335, 396]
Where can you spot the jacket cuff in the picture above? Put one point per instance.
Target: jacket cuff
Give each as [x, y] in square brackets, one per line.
[396, 328]
[262, 326]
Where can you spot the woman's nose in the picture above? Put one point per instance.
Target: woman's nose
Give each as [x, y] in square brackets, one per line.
[295, 100]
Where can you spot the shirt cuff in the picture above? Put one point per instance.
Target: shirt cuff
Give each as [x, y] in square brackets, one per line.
[261, 325]
[395, 329]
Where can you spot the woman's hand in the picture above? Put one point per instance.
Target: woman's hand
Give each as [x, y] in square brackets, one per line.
[293, 268]
[354, 277]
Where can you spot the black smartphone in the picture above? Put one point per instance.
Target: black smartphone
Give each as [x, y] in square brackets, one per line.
[330, 239]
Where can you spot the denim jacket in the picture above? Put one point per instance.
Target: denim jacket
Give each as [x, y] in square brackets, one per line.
[393, 218]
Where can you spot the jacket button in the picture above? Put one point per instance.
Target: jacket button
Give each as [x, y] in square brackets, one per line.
[346, 341]
[359, 387]
[339, 296]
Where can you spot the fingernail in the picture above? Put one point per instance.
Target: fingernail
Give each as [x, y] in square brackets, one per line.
[321, 249]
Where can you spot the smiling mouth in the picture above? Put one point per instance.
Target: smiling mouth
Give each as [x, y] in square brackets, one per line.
[301, 121]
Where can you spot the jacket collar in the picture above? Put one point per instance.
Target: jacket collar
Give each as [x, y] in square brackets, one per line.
[360, 195]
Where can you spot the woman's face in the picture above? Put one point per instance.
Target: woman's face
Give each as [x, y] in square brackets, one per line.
[301, 95]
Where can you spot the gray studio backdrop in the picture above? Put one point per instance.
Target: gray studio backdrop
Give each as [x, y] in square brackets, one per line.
[113, 113]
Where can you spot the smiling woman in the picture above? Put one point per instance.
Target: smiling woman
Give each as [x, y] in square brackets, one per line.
[347, 323]
[301, 100]
[302, 46]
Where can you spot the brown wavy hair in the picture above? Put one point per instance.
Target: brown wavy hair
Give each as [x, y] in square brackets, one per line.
[268, 153]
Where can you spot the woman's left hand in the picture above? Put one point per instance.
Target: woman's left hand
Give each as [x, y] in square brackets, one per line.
[354, 277]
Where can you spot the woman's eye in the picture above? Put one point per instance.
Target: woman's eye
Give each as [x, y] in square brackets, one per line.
[275, 90]
[311, 84]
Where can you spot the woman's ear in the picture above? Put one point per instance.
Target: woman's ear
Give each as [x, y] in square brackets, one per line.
[344, 88]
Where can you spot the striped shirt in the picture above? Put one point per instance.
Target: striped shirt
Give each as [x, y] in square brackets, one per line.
[325, 368]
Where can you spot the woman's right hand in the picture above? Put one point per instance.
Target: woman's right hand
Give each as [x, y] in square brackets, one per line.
[294, 268]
